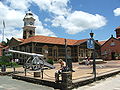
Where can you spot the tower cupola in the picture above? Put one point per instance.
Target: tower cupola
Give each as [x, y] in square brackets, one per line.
[29, 28]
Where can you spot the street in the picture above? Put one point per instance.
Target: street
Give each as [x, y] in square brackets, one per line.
[112, 83]
[7, 83]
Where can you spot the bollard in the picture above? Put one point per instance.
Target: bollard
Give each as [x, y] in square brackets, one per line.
[36, 74]
[25, 71]
[56, 77]
[3, 68]
[66, 80]
[14, 69]
[42, 74]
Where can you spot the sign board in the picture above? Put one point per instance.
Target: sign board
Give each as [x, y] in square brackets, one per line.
[90, 44]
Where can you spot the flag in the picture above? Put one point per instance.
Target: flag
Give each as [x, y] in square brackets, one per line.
[3, 24]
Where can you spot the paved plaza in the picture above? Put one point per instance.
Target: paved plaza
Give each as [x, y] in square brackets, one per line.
[81, 71]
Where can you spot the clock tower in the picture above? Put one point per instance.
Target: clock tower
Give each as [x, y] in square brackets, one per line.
[29, 28]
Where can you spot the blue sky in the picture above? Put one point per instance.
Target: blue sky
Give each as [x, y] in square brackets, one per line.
[73, 19]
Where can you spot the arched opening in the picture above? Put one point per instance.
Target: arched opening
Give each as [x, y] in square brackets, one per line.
[55, 52]
[45, 51]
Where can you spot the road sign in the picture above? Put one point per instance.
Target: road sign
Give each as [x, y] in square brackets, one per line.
[90, 44]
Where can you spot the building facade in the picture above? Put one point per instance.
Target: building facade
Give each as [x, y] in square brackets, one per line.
[110, 50]
[51, 47]
[1, 48]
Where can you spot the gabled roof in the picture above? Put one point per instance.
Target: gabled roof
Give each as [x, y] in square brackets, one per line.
[102, 42]
[18, 39]
[50, 40]
[110, 39]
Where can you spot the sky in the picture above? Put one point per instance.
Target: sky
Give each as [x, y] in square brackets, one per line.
[71, 19]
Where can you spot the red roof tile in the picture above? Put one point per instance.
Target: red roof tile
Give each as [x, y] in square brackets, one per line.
[51, 40]
[7, 47]
[80, 41]
[102, 42]
[0, 51]
[1, 45]
[19, 39]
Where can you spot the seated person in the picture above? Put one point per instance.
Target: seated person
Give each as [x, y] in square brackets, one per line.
[62, 69]
[62, 66]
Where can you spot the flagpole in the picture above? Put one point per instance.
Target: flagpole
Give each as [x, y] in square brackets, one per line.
[3, 35]
[3, 30]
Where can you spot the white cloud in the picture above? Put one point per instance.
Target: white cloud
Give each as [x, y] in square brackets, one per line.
[58, 7]
[72, 21]
[41, 30]
[13, 17]
[19, 4]
[79, 21]
[13, 20]
[47, 20]
[116, 12]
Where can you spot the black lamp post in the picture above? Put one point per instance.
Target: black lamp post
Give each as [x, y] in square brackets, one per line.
[94, 63]
[66, 53]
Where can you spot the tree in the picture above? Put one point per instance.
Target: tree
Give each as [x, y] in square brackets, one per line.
[5, 43]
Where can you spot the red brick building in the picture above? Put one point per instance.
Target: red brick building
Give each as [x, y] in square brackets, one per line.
[110, 50]
[1, 47]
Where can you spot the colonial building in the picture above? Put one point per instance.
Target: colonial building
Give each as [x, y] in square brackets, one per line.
[50, 47]
[110, 50]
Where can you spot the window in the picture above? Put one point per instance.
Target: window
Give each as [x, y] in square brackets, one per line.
[38, 49]
[50, 51]
[45, 51]
[69, 51]
[55, 52]
[81, 53]
[112, 44]
[30, 32]
[86, 52]
[61, 51]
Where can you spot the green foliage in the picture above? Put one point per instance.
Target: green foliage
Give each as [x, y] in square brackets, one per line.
[50, 61]
[5, 60]
[8, 63]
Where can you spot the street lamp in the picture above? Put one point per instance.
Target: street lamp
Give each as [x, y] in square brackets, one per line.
[66, 53]
[94, 63]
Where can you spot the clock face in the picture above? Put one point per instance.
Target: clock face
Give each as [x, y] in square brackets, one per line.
[31, 23]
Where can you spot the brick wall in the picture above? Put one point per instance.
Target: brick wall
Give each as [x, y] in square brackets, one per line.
[110, 48]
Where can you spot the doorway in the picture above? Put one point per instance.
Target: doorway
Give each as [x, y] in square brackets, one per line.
[113, 55]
